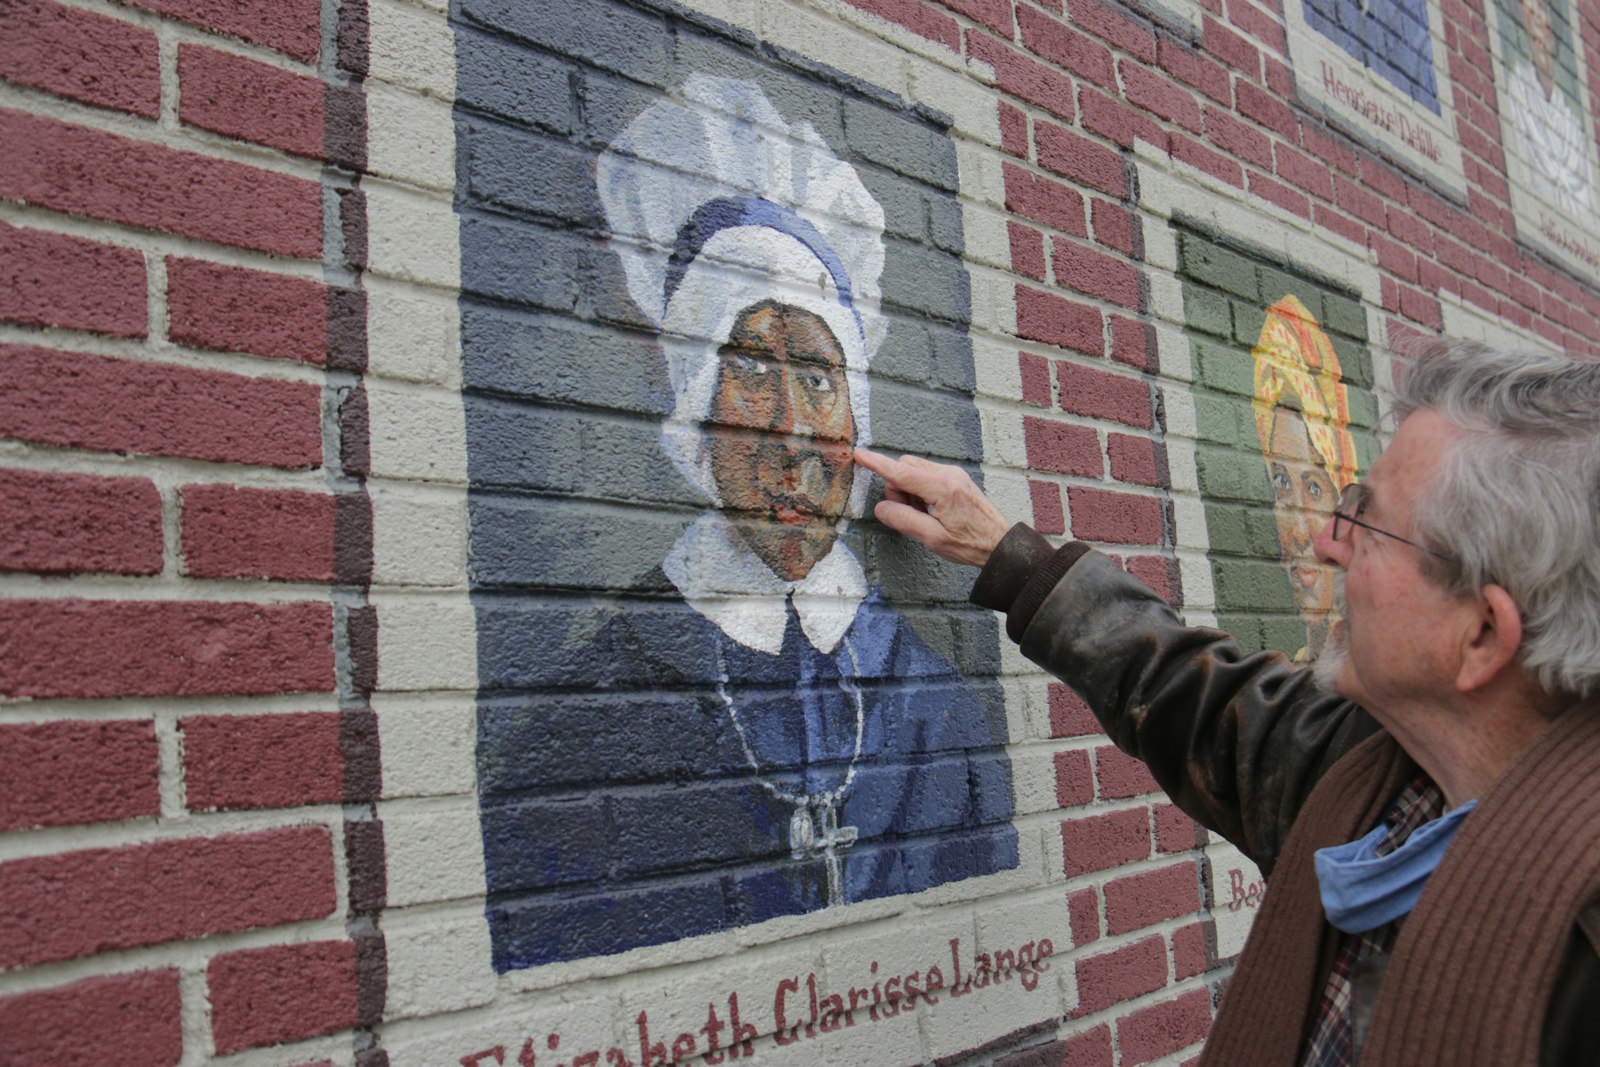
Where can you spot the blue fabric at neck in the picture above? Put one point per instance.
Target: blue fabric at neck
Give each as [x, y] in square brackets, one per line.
[1362, 890]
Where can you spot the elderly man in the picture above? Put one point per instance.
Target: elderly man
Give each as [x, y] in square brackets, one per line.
[1426, 806]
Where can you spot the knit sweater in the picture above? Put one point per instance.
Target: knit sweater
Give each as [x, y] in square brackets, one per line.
[1472, 973]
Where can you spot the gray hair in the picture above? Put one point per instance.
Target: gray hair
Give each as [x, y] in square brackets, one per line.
[1517, 499]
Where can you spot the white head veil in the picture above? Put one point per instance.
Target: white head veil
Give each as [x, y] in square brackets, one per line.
[715, 203]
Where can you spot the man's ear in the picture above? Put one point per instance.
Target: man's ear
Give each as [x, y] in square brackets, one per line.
[1494, 641]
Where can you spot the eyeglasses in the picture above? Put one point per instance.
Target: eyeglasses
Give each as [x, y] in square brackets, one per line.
[1351, 503]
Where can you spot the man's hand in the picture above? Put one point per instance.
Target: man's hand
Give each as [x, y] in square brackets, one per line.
[936, 505]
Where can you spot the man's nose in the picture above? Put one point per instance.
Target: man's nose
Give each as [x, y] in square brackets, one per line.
[1336, 553]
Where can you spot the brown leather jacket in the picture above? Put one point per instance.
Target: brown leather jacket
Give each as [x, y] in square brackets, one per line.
[1237, 740]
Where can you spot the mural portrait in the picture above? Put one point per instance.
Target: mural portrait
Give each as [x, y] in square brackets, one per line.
[1549, 140]
[1391, 38]
[1302, 416]
[759, 729]
[1284, 429]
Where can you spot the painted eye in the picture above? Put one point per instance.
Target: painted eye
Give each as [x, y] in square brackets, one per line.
[820, 383]
[1280, 479]
[1314, 489]
[747, 365]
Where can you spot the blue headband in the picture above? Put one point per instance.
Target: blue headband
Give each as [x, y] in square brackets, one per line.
[714, 216]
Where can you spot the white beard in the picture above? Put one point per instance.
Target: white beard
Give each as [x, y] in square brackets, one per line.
[1329, 664]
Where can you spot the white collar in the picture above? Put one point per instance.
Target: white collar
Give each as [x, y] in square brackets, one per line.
[721, 578]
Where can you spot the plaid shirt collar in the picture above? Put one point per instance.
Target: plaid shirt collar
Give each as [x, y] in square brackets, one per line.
[1331, 1043]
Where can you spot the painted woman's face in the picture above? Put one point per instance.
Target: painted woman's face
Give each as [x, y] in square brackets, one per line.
[782, 432]
[1302, 502]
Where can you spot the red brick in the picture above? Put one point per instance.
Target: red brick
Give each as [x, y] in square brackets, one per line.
[1046, 201]
[1074, 778]
[1183, 63]
[112, 405]
[266, 996]
[1133, 459]
[1133, 343]
[1050, 38]
[1116, 121]
[1115, 227]
[1069, 715]
[1277, 193]
[1160, 573]
[1175, 831]
[1022, 77]
[80, 54]
[1122, 974]
[1092, 1049]
[1159, 95]
[1111, 24]
[1048, 516]
[262, 761]
[1014, 130]
[293, 27]
[70, 523]
[235, 309]
[1303, 172]
[995, 14]
[253, 101]
[1188, 150]
[1057, 321]
[1081, 159]
[1143, 899]
[81, 171]
[140, 1015]
[115, 648]
[1190, 954]
[75, 904]
[1164, 1028]
[1122, 776]
[1085, 391]
[1422, 307]
[1100, 842]
[1343, 225]
[50, 279]
[1027, 250]
[1055, 446]
[1083, 911]
[1097, 274]
[1259, 24]
[1238, 138]
[230, 532]
[1217, 40]
[1329, 150]
[1267, 109]
[917, 17]
[1035, 372]
[1357, 201]
[64, 773]
[1115, 518]
[1394, 257]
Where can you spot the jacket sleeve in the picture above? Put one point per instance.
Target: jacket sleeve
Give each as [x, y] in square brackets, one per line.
[1237, 740]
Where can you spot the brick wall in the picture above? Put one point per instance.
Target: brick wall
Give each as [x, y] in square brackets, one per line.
[350, 713]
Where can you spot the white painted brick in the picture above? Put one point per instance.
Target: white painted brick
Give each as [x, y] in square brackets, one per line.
[412, 334]
[1033, 779]
[417, 433]
[410, 137]
[1172, 347]
[412, 236]
[994, 302]
[412, 47]
[897, 951]
[987, 240]
[426, 642]
[982, 176]
[580, 1023]
[419, 536]
[1199, 593]
[438, 962]
[680, 1001]
[1234, 907]
[971, 106]
[428, 748]
[854, 53]
[1166, 298]
[997, 370]
[434, 850]
[1003, 446]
